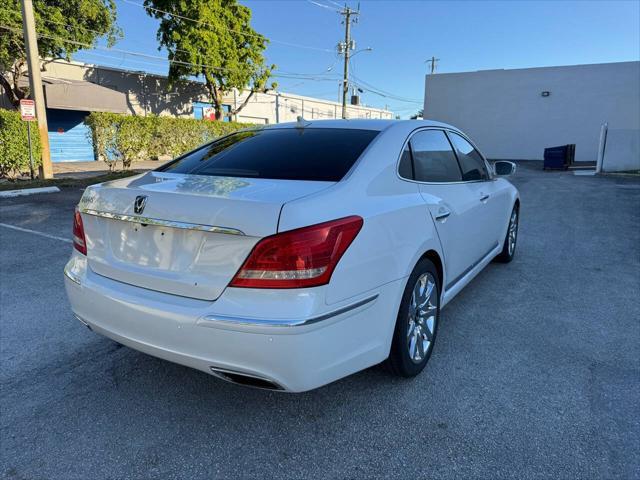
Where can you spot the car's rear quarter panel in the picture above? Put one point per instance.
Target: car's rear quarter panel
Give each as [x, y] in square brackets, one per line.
[397, 228]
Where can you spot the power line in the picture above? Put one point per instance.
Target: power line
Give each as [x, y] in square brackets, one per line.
[72, 26]
[122, 59]
[318, 77]
[325, 72]
[417, 102]
[367, 86]
[372, 87]
[111, 49]
[200, 22]
[321, 5]
[291, 76]
[46, 20]
[335, 3]
[293, 101]
[146, 55]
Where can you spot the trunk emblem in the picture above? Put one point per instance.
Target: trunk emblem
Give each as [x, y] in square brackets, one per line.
[139, 204]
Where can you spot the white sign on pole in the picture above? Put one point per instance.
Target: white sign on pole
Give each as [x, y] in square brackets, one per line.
[28, 110]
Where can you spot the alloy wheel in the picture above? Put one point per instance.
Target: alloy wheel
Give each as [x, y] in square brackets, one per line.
[423, 311]
[513, 231]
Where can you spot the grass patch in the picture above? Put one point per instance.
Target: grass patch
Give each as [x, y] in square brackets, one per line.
[65, 182]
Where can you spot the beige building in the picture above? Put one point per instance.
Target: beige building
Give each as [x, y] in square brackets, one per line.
[74, 89]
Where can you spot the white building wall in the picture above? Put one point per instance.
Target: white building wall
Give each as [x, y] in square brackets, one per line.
[504, 111]
[622, 151]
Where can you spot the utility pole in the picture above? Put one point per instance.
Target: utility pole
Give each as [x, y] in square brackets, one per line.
[345, 48]
[433, 61]
[35, 84]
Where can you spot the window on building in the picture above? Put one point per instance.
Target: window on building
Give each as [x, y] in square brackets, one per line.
[471, 163]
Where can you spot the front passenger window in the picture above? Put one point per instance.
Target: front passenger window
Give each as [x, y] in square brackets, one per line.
[471, 163]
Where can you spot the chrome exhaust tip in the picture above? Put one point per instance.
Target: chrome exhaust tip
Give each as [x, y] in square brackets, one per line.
[245, 379]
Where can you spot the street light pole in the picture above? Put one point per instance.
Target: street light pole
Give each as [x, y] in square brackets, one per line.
[35, 84]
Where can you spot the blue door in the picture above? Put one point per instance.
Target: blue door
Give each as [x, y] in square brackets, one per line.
[69, 138]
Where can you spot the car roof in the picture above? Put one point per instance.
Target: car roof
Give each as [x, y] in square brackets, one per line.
[361, 124]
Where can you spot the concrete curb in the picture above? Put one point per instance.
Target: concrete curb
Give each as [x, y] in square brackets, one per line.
[28, 191]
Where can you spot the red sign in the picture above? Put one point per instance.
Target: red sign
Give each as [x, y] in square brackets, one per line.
[28, 110]
[209, 113]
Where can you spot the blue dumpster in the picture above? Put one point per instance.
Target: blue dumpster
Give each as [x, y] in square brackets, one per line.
[559, 158]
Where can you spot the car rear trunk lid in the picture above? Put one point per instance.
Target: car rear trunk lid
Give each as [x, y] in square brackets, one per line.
[192, 233]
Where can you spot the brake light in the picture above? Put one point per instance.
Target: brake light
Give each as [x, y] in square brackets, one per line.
[305, 257]
[79, 241]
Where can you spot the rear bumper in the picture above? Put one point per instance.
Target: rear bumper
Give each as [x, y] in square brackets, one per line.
[298, 343]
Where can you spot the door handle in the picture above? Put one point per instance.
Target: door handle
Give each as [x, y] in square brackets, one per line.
[484, 197]
[442, 214]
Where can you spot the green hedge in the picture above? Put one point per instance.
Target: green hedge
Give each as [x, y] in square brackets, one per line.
[129, 138]
[14, 147]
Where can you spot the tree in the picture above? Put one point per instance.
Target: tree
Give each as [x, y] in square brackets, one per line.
[219, 46]
[417, 115]
[59, 24]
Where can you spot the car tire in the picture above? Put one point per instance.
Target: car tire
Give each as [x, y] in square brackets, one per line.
[416, 328]
[511, 238]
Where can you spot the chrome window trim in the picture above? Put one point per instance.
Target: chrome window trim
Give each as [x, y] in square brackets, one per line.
[213, 321]
[162, 223]
[444, 130]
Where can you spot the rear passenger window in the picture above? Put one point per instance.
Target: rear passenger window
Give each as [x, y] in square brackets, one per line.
[433, 158]
[406, 169]
[471, 163]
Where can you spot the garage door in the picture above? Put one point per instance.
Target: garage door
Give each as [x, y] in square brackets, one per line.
[69, 137]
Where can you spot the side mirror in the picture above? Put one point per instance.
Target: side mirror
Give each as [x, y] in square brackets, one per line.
[503, 168]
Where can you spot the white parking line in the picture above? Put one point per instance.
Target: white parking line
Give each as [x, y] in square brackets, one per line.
[35, 232]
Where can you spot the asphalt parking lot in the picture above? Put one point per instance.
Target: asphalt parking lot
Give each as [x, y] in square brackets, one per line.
[535, 374]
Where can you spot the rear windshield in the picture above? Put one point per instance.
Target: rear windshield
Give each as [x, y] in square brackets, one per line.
[322, 154]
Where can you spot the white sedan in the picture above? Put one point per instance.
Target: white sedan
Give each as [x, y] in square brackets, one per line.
[291, 256]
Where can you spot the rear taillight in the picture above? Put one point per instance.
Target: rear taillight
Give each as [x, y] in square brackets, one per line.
[79, 242]
[305, 257]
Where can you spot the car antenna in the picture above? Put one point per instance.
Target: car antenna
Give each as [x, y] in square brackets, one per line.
[301, 122]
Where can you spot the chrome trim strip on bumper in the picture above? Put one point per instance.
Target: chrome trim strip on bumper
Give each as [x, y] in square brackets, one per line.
[227, 320]
[79, 318]
[162, 223]
[71, 276]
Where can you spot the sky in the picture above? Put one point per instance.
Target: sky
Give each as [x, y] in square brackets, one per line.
[463, 35]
